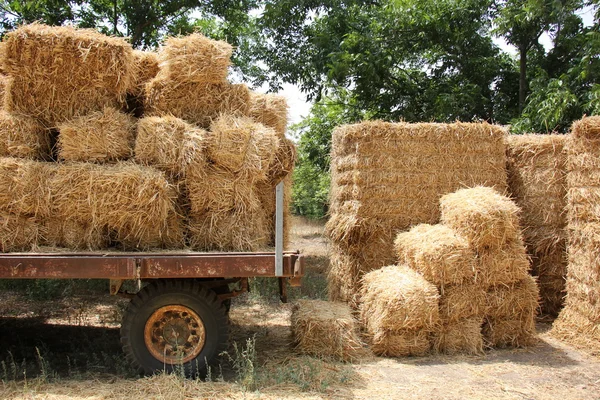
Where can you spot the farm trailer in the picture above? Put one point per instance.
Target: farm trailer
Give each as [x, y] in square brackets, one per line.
[180, 316]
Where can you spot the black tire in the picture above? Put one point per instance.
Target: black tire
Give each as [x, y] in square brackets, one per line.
[160, 295]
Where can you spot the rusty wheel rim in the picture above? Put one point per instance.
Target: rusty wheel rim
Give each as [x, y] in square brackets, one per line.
[174, 334]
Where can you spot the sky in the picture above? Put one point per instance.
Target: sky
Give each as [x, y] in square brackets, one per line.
[300, 108]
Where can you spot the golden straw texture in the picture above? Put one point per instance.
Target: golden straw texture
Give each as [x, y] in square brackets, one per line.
[23, 137]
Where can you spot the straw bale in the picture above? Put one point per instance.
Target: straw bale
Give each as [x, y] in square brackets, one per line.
[461, 302]
[400, 343]
[195, 58]
[242, 145]
[437, 252]
[283, 161]
[396, 298]
[102, 136]
[578, 329]
[551, 271]
[586, 128]
[25, 187]
[325, 329]
[229, 231]
[167, 235]
[503, 265]
[265, 190]
[128, 199]
[3, 84]
[62, 72]
[220, 190]
[23, 137]
[270, 110]
[460, 337]
[197, 103]
[500, 333]
[145, 68]
[171, 145]
[486, 218]
[74, 234]
[516, 301]
[18, 233]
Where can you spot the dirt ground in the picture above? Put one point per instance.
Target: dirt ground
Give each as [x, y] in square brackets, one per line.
[69, 349]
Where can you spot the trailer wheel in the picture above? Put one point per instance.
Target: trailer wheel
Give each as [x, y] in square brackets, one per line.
[174, 323]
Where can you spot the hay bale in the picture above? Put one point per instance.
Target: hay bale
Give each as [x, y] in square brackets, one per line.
[486, 218]
[26, 187]
[23, 137]
[396, 298]
[102, 136]
[197, 103]
[130, 200]
[220, 190]
[501, 333]
[400, 343]
[270, 110]
[195, 58]
[502, 265]
[18, 233]
[462, 302]
[61, 72]
[459, 337]
[283, 161]
[3, 84]
[145, 68]
[229, 231]
[586, 128]
[241, 145]
[171, 145]
[72, 234]
[325, 329]
[168, 235]
[436, 252]
[265, 190]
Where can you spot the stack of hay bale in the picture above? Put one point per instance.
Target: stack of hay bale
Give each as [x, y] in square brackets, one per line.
[459, 285]
[537, 182]
[579, 321]
[81, 173]
[387, 177]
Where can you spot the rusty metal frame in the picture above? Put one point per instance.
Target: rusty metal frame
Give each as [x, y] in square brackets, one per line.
[120, 266]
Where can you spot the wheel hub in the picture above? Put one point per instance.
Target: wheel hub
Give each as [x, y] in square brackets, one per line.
[174, 334]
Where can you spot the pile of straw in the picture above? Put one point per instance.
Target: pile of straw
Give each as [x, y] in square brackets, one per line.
[102, 136]
[23, 137]
[579, 321]
[18, 233]
[537, 182]
[3, 84]
[26, 187]
[399, 309]
[390, 176]
[270, 110]
[58, 73]
[195, 58]
[325, 329]
[145, 68]
[171, 145]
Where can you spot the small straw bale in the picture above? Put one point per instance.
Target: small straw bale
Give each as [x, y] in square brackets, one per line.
[73, 234]
[283, 162]
[438, 253]
[501, 333]
[145, 68]
[25, 187]
[220, 190]
[242, 145]
[171, 145]
[265, 191]
[197, 103]
[325, 329]
[61, 72]
[587, 128]
[514, 301]
[18, 233]
[578, 329]
[461, 302]
[486, 218]
[229, 231]
[403, 343]
[128, 199]
[195, 58]
[102, 136]
[551, 273]
[168, 235]
[502, 265]
[3, 84]
[396, 298]
[460, 337]
[23, 137]
[270, 110]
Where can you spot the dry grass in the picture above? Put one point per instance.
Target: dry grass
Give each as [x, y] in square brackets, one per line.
[325, 329]
[485, 217]
[270, 110]
[62, 72]
[436, 252]
[171, 145]
[102, 136]
[197, 103]
[3, 84]
[195, 58]
[23, 137]
[243, 146]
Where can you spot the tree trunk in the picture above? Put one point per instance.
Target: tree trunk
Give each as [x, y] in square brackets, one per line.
[523, 87]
